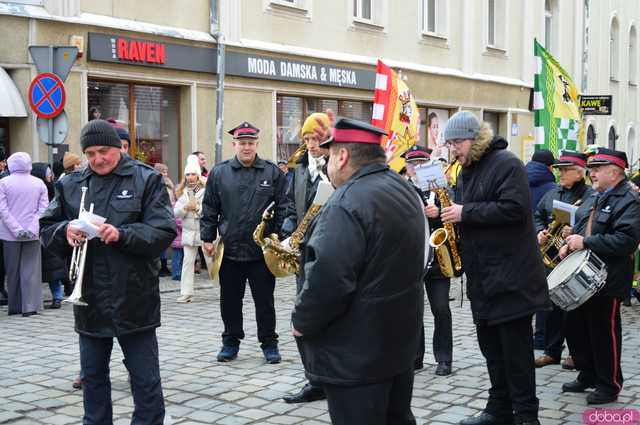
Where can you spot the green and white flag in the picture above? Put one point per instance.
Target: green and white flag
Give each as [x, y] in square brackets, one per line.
[558, 119]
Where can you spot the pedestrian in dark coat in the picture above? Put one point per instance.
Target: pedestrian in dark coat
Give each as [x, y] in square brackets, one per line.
[505, 275]
[237, 193]
[120, 285]
[54, 268]
[612, 232]
[358, 315]
[539, 175]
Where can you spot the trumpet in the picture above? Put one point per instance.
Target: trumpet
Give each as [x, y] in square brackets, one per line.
[78, 258]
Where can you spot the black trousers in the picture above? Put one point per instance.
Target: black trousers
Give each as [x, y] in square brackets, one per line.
[141, 360]
[233, 278]
[384, 403]
[438, 294]
[595, 337]
[508, 349]
[554, 332]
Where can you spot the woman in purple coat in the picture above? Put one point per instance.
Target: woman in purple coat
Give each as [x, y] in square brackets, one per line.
[23, 199]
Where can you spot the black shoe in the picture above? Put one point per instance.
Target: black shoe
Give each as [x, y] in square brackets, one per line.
[599, 397]
[486, 419]
[307, 394]
[575, 387]
[55, 304]
[627, 302]
[536, 422]
[31, 313]
[417, 365]
[443, 369]
[228, 353]
[165, 272]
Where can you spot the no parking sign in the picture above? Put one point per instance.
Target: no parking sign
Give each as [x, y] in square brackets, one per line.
[47, 95]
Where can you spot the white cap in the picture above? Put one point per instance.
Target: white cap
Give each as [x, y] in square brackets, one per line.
[193, 165]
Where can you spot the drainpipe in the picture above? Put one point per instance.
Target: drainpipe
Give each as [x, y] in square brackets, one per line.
[216, 32]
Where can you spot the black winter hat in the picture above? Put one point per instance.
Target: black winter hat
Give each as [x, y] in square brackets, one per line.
[544, 156]
[99, 133]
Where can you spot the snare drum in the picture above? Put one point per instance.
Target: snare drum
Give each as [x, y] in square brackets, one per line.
[576, 279]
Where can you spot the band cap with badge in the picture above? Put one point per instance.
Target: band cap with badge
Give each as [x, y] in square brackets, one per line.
[245, 130]
[570, 158]
[347, 130]
[606, 156]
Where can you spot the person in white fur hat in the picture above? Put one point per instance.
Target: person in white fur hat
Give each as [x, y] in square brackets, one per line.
[188, 208]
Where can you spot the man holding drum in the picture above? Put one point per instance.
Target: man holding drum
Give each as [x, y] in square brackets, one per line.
[612, 232]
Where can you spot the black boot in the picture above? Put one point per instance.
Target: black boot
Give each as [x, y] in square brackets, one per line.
[164, 270]
[486, 419]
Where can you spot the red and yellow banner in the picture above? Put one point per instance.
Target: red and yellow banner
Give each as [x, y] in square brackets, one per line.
[395, 110]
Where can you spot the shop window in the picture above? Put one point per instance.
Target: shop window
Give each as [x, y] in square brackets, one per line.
[150, 114]
[493, 118]
[612, 137]
[496, 24]
[434, 17]
[291, 112]
[591, 135]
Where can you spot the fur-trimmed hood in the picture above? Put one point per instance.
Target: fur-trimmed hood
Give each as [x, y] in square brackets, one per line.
[485, 141]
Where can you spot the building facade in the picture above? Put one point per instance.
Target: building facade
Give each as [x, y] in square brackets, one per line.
[151, 66]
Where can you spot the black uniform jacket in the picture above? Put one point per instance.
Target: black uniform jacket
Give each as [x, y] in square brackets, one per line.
[235, 198]
[615, 234]
[361, 302]
[120, 283]
[544, 212]
[500, 255]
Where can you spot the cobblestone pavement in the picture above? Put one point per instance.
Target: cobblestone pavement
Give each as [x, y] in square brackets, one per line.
[39, 359]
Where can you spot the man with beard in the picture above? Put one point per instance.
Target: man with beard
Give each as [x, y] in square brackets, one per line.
[611, 230]
[358, 313]
[572, 190]
[308, 174]
[506, 283]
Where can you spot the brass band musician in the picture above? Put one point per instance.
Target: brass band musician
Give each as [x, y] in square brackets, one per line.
[572, 190]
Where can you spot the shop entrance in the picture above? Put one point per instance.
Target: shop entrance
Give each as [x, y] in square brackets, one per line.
[150, 113]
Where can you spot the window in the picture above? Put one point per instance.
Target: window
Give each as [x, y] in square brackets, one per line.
[591, 135]
[493, 119]
[434, 17]
[633, 56]
[551, 19]
[614, 46]
[291, 111]
[362, 9]
[496, 24]
[632, 149]
[150, 113]
[612, 137]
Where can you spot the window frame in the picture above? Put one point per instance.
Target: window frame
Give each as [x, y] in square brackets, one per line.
[440, 16]
[614, 50]
[633, 55]
[357, 11]
[291, 5]
[500, 15]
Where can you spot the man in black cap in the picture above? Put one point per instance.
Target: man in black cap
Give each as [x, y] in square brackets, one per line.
[120, 283]
[612, 232]
[358, 314]
[436, 284]
[572, 190]
[238, 191]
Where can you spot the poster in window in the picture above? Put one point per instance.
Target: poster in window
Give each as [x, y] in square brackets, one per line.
[436, 122]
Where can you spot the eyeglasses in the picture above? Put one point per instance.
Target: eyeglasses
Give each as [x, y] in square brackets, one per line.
[455, 142]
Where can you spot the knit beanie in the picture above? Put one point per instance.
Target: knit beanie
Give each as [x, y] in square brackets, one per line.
[70, 160]
[99, 133]
[193, 165]
[461, 126]
[311, 123]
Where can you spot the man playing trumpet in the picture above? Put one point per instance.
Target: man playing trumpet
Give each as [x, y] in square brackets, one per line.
[572, 190]
[120, 284]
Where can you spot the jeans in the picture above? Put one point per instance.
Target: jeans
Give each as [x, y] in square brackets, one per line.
[141, 360]
[57, 290]
[176, 263]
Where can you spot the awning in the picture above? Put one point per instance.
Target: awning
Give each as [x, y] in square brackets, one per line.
[11, 104]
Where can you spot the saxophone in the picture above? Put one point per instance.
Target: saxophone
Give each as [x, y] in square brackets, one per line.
[443, 240]
[550, 250]
[283, 258]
